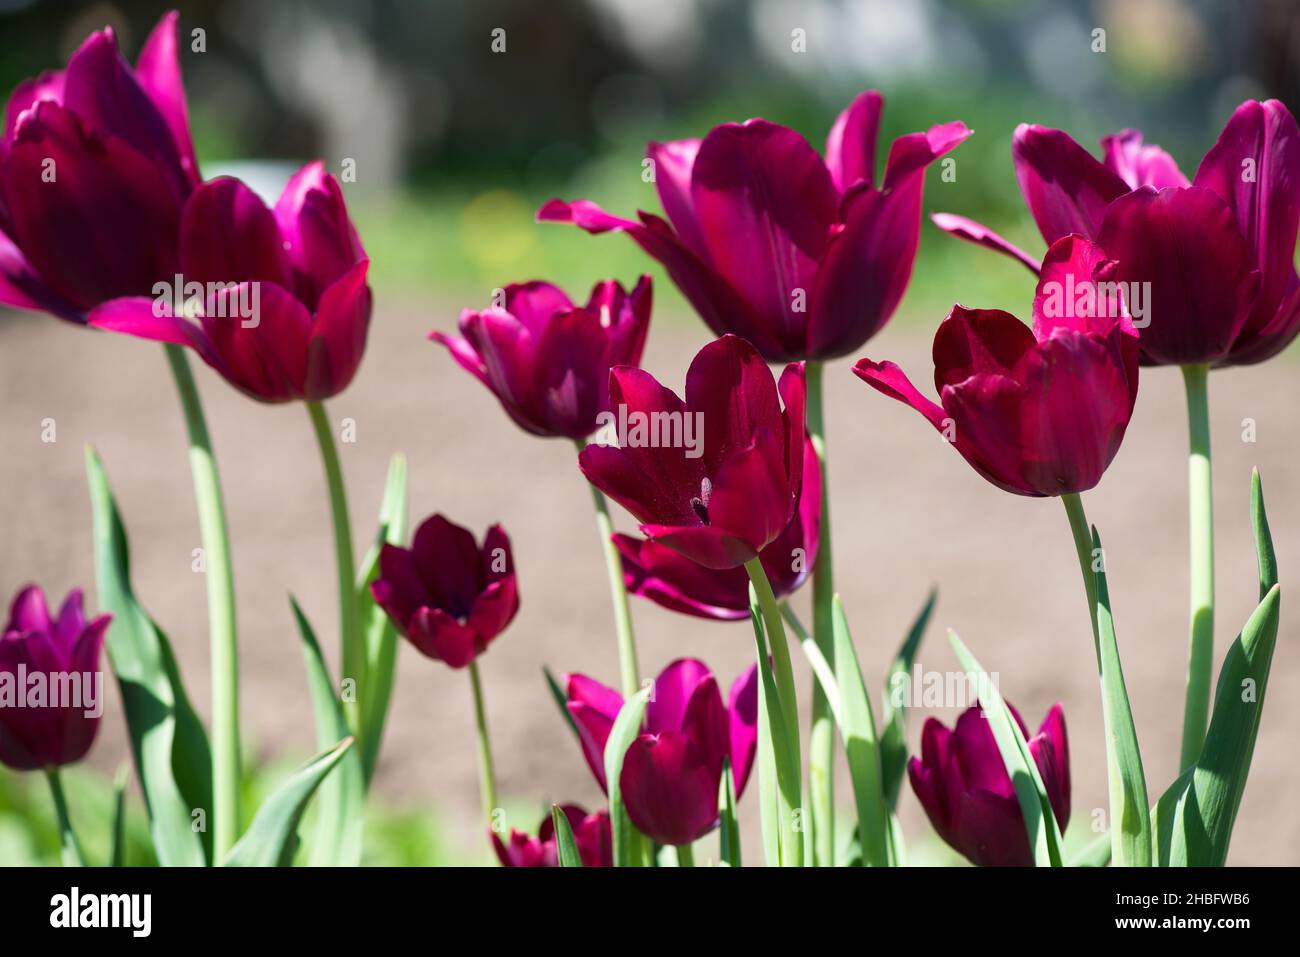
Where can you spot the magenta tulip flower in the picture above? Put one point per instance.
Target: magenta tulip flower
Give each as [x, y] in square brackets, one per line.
[546, 360]
[42, 657]
[1039, 412]
[964, 787]
[671, 580]
[445, 594]
[283, 308]
[673, 770]
[716, 477]
[591, 832]
[96, 163]
[1217, 252]
[804, 257]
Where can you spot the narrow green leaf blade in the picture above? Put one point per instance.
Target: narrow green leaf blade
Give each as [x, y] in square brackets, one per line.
[1040, 824]
[561, 701]
[272, 838]
[728, 830]
[565, 843]
[1130, 818]
[893, 740]
[168, 742]
[340, 812]
[858, 731]
[782, 763]
[1266, 557]
[117, 850]
[378, 635]
[628, 842]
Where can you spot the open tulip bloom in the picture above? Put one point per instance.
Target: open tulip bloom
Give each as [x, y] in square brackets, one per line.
[790, 257]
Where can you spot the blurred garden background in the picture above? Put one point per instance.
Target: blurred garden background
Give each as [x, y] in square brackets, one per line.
[454, 146]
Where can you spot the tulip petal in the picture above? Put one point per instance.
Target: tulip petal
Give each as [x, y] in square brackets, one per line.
[911, 154]
[437, 635]
[765, 205]
[742, 711]
[888, 379]
[493, 609]
[593, 708]
[1186, 244]
[22, 288]
[851, 145]
[1066, 187]
[670, 794]
[751, 497]
[151, 319]
[673, 689]
[972, 342]
[158, 70]
[100, 228]
[1075, 290]
[264, 355]
[339, 334]
[228, 235]
[1139, 164]
[708, 545]
[730, 387]
[671, 580]
[534, 303]
[981, 235]
[673, 165]
[449, 564]
[320, 241]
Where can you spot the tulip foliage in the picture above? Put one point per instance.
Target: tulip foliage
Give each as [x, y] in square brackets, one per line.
[788, 256]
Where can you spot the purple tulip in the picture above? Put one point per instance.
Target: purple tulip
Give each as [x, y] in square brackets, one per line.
[546, 360]
[1217, 251]
[284, 308]
[673, 770]
[40, 654]
[1039, 412]
[670, 579]
[591, 832]
[964, 787]
[96, 164]
[716, 477]
[804, 257]
[446, 595]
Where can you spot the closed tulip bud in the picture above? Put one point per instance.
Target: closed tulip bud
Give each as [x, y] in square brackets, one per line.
[96, 164]
[804, 257]
[50, 682]
[446, 595]
[964, 787]
[547, 360]
[591, 832]
[673, 770]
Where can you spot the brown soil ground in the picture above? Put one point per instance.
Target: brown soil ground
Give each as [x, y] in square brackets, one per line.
[908, 513]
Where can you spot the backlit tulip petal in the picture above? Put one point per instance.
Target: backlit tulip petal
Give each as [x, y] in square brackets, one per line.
[851, 145]
[1138, 163]
[1066, 188]
[158, 71]
[981, 235]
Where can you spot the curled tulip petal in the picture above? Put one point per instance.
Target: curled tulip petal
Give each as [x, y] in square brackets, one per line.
[1066, 188]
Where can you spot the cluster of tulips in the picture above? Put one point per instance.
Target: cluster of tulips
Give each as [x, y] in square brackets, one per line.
[789, 257]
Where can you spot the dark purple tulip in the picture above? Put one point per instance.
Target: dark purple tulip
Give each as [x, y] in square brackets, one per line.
[37, 731]
[673, 771]
[546, 360]
[1218, 251]
[286, 307]
[804, 257]
[670, 579]
[725, 499]
[446, 595]
[1039, 412]
[591, 832]
[964, 787]
[96, 163]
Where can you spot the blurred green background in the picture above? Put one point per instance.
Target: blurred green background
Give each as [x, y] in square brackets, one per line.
[455, 146]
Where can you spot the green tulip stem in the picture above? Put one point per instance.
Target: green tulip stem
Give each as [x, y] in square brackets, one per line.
[487, 776]
[820, 814]
[222, 637]
[1201, 552]
[685, 856]
[353, 654]
[1082, 534]
[630, 675]
[70, 847]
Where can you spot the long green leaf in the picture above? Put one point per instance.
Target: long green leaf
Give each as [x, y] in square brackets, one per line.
[117, 849]
[728, 831]
[340, 811]
[565, 843]
[858, 730]
[272, 839]
[1130, 829]
[1040, 823]
[168, 742]
[561, 702]
[893, 740]
[629, 844]
[773, 727]
[379, 638]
